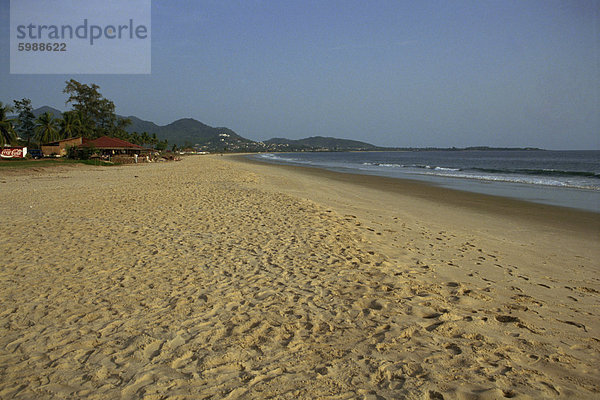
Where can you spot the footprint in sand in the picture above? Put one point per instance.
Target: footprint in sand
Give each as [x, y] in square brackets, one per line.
[153, 350]
[454, 349]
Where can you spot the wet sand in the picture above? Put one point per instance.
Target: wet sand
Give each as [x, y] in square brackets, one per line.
[221, 278]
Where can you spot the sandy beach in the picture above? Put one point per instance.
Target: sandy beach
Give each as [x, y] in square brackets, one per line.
[216, 277]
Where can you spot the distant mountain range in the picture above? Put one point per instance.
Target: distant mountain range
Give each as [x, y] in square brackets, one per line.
[186, 131]
[190, 132]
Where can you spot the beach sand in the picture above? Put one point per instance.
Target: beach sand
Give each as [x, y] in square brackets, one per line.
[215, 278]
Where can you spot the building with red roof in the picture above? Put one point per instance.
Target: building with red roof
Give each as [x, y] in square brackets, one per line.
[111, 145]
[105, 145]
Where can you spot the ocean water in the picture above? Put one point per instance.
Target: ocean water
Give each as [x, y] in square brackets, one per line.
[562, 178]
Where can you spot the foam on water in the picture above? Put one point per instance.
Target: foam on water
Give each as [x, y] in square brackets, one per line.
[570, 179]
[526, 176]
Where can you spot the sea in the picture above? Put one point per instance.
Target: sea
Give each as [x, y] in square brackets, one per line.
[561, 178]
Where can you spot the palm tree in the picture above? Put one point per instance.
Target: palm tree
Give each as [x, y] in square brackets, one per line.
[7, 131]
[46, 128]
[70, 125]
[145, 138]
[82, 126]
[119, 128]
[136, 138]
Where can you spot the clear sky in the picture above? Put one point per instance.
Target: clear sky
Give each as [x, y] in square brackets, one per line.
[392, 73]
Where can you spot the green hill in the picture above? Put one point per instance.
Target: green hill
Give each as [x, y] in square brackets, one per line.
[188, 131]
[39, 111]
[139, 125]
[320, 142]
[185, 131]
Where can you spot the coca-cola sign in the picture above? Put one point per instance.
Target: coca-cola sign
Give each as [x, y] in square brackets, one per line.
[13, 152]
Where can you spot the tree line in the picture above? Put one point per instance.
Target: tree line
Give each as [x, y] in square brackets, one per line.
[92, 116]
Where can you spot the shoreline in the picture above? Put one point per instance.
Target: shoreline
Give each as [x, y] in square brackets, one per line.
[578, 195]
[586, 222]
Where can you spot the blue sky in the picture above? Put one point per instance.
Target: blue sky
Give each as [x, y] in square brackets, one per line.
[393, 73]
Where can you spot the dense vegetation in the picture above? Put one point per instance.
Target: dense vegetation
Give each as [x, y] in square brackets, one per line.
[92, 116]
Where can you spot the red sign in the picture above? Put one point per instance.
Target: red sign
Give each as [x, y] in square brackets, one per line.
[13, 152]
